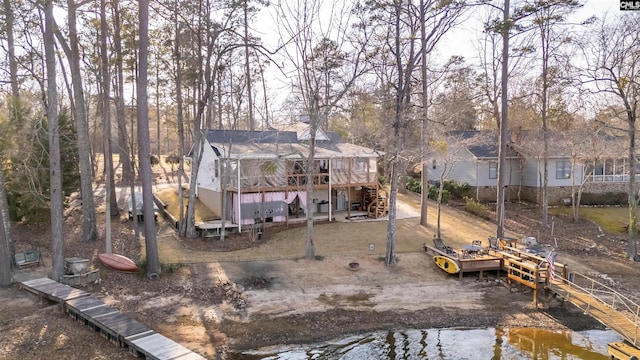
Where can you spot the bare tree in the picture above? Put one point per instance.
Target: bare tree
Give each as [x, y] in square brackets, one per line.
[402, 49]
[446, 150]
[151, 245]
[72, 51]
[315, 43]
[125, 151]
[106, 121]
[613, 70]
[548, 18]
[588, 147]
[56, 200]
[7, 250]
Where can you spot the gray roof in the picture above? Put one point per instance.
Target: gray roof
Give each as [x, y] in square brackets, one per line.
[273, 143]
[481, 144]
[562, 144]
[248, 136]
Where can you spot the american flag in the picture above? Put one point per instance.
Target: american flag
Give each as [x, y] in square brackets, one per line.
[551, 258]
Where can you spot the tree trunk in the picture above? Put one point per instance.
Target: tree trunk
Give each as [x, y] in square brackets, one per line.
[504, 132]
[16, 109]
[89, 227]
[633, 196]
[124, 150]
[252, 125]
[390, 256]
[153, 260]
[106, 121]
[313, 126]
[55, 171]
[190, 226]
[180, 118]
[6, 255]
[424, 148]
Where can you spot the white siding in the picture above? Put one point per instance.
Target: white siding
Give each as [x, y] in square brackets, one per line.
[463, 172]
[534, 169]
[206, 178]
[530, 176]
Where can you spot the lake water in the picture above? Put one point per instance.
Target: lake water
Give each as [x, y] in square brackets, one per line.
[454, 344]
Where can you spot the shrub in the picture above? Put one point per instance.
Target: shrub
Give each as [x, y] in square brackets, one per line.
[477, 208]
[458, 190]
[433, 194]
[154, 159]
[451, 188]
[414, 184]
[608, 198]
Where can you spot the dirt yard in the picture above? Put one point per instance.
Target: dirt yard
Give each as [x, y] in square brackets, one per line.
[217, 299]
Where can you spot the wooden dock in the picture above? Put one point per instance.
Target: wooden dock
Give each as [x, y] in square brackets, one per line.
[598, 300]
[477, 264]
[113, 325]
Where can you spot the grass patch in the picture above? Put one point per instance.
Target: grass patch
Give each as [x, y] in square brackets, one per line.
[477, 208]
[611, 219]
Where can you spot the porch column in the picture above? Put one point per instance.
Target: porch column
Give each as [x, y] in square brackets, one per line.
[330, 204]
[239, 199]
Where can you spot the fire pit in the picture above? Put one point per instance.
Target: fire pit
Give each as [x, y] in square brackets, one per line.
[354, 266]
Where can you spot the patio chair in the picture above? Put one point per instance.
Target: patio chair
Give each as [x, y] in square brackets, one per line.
[437, 242]
[493, 243]
[482, 250]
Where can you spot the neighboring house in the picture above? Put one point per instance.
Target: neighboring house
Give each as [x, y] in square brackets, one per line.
[472, 157]
[596, 161]
[263, 173]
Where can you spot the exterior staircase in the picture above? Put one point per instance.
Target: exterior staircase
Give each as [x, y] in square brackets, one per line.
[376, 201]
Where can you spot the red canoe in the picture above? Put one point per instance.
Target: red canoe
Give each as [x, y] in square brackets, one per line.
[118, 262]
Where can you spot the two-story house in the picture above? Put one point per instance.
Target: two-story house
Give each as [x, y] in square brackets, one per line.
[262, 175]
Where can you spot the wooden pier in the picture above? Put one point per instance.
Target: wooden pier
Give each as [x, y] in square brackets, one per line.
[598, 300]
[118, 328]
[477, 264]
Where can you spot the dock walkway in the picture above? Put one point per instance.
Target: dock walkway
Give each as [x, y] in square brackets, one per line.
[113, 325]
[598, 300]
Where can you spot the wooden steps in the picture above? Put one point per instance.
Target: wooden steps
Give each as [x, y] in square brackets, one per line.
[376, 201]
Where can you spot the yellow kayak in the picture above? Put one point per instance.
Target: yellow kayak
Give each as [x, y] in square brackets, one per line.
[446, 264]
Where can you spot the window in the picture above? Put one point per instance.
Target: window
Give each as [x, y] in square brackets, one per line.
[563, 169]
[433, 164]
[493, 170]
[216, 169]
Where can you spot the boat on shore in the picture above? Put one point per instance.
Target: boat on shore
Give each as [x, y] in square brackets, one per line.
[446, 264]
[118, 262]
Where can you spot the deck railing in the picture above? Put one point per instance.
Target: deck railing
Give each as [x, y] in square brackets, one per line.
[608, 306]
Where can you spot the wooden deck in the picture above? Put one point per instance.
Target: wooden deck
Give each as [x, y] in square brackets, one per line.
[478, 264]
[598, 300]
[113, 325]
